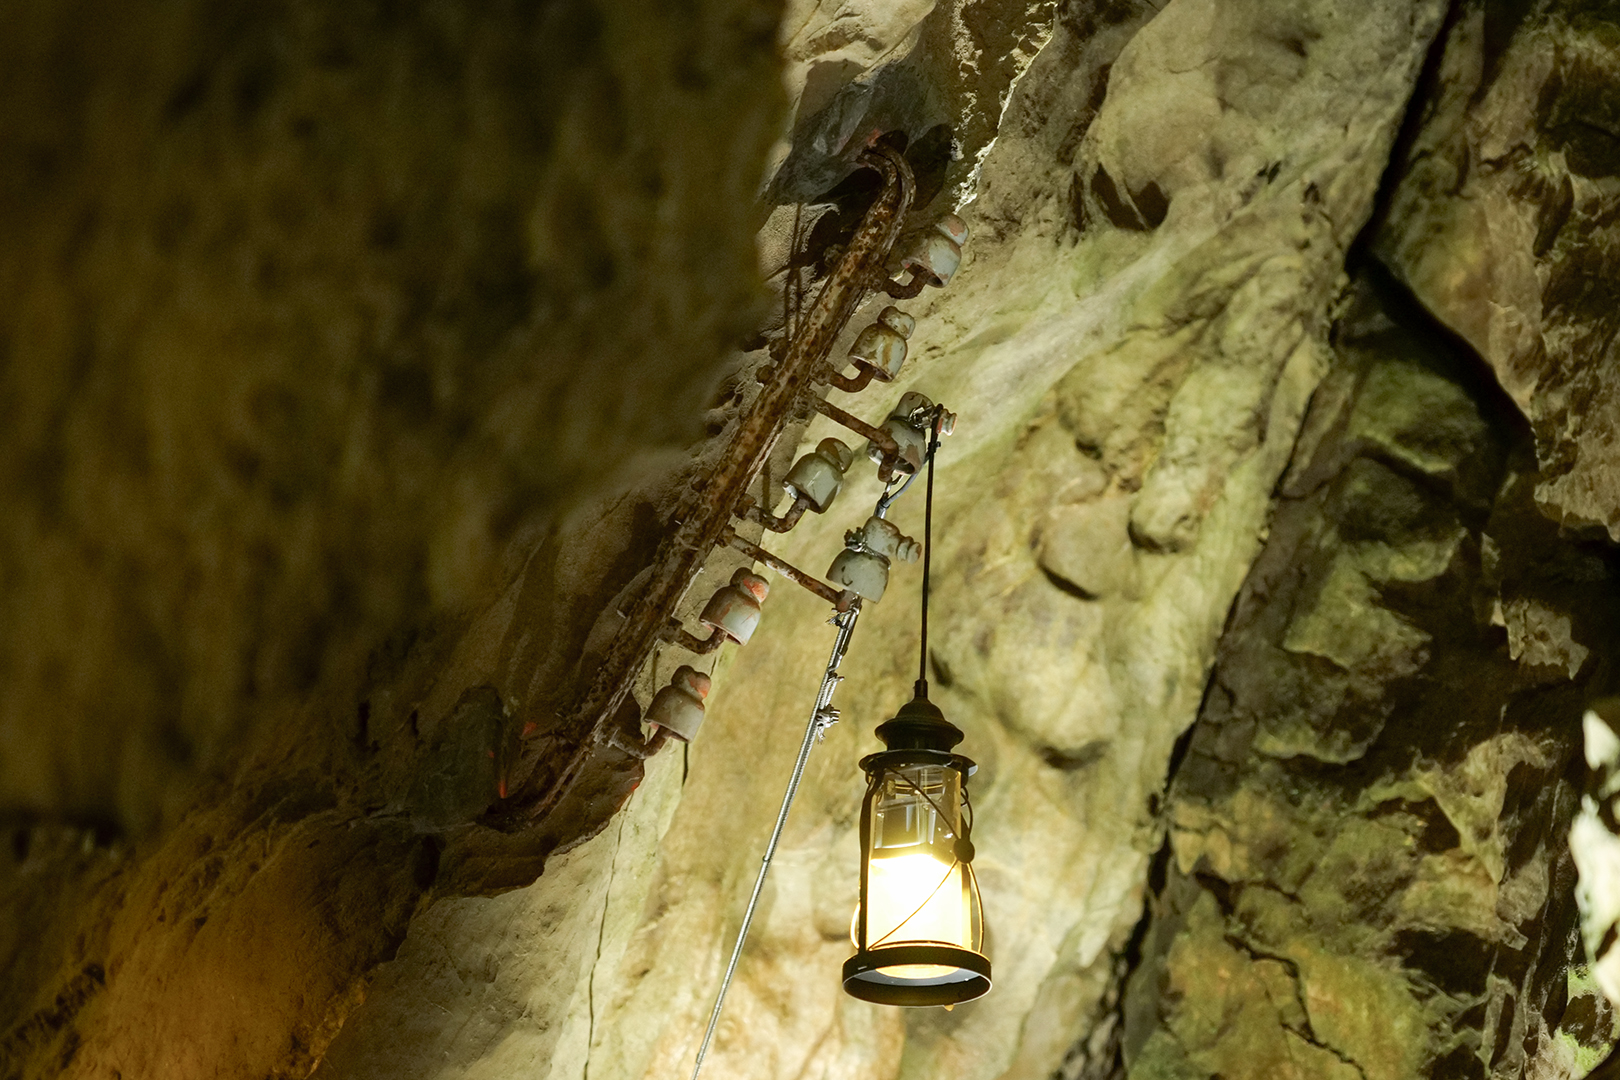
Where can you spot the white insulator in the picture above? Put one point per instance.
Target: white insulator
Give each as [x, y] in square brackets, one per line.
[881, 348]
[907, 425]
[863, 567]
[912, 403]
[897, 320]
[734, 609]
[934, 256]
[882, 537]
[913, 445]
[817, 476]
[678, 707]
[861, 572]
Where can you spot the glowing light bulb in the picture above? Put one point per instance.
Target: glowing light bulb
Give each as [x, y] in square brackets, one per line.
[916, 899]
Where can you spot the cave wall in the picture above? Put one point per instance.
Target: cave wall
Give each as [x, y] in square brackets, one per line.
[1366, 872]
[1131, 383]
[1503, 225]
[355, 358]
[342, 348]
[1410, 655]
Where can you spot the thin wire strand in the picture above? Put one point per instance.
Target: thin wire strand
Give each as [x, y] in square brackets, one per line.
[821, 717]
[928, 547]
[888, 498]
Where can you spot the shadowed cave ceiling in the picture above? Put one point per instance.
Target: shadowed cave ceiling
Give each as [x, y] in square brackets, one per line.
[356, 358]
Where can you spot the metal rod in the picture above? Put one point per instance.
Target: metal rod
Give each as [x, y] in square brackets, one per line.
[878, 436]
[839, 600]
[861, 380]
[749, 510]
[906, 291]
[822, 717]
[677, 634]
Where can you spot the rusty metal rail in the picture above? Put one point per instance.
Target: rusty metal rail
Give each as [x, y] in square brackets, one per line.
[704, 519]
[839, 600]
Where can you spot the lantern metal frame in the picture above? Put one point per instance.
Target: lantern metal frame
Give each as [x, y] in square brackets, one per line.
[919, 735]
[864, 973]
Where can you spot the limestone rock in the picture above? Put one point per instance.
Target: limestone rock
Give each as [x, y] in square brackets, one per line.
[1088, 546]
[1539, 635]
[1161, 371]
[346, 353]
[1379, 817]
[352, 359]
[1503, 226]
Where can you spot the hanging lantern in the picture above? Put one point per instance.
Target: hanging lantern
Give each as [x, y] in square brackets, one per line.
[919, 928]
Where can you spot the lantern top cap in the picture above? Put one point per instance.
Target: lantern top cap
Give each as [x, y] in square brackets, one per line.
[919, 725]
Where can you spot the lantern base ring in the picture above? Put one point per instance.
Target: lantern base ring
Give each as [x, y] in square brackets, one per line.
[866, 975]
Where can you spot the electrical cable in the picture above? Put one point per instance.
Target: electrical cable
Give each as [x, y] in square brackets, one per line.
[888, 498]
[928, 548]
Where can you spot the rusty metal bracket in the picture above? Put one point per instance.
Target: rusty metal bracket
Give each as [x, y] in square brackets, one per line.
[838, 599]
[749, 510]
[849, 384]
[875, 435]
[909, 290]
[677, 634]
[627, 737]
[705, 514]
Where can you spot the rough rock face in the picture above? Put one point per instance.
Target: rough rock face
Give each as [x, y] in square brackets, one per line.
[1131, 375]
[283, 374]
[318, 326]
[1505, 226]
[1367, 872]
[1264, 596]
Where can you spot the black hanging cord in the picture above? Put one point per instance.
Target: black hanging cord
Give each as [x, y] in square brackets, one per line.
[928, 548]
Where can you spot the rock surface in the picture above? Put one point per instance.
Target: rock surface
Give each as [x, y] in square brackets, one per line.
[1130, 392]
[345, 353]
[349, 360]
[1366, 836]
[1506, 224]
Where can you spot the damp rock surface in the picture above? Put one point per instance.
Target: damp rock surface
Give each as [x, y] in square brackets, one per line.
[346, 355]
[1504, 225]
[1367, 839]
[355, 362]
[1130, 388]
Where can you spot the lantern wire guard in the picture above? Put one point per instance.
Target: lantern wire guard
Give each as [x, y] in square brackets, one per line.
[916, 829]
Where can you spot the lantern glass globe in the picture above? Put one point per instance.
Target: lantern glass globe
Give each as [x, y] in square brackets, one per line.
[921, 940]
